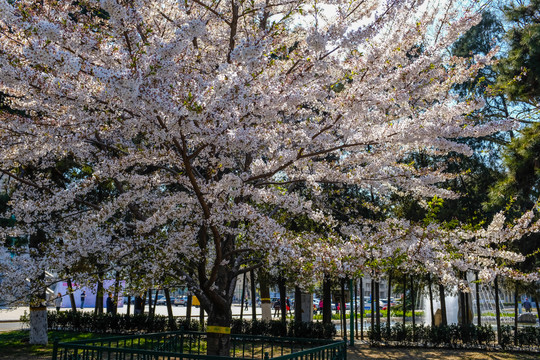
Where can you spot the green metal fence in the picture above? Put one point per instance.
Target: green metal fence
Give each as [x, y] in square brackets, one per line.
[186, 345]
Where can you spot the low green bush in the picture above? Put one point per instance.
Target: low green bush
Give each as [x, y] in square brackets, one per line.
[125, 324]
[451, 335]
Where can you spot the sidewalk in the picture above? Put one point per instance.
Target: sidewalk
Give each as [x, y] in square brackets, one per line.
[14, 314]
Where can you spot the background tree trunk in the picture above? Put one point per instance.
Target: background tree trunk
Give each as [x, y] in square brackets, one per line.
[71, 296]
[172, 323]
[297, 304]
[361, 309]
[253, 296]
[431, 301]
[327, 300]
[282, 299]
[388, 306]
[497, 309]
[443, 305]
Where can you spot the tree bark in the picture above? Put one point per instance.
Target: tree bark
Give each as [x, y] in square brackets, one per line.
[431, 301]
[282, 299]
[129, 304]
[327, 300]
[516, 315]
[388, 306]
[38, 301]
[188, 308]
[243, 297]
[71, 296]
[297, 304]
[413, 305]
[219, 341]
[404, 298]
[378, 308]
[253, 296]
[116, 291]
[478, 309]
[443, 305]
[155, 303]
[266, 302]
[362, 309]
[372, 306]
[98, 309]
[497, 309]
[343, 312]
[172, 324]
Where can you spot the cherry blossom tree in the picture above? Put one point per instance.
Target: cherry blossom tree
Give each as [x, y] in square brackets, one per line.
[162, 136]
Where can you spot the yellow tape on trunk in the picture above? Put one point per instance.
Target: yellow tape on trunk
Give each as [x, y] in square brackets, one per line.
[218, 329]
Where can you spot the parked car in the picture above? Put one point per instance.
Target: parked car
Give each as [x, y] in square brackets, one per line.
[181, 300]
[161, 300]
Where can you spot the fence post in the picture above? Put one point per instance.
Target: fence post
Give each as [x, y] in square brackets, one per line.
[55, 349]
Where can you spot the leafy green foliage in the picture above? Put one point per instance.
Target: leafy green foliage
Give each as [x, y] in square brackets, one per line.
[519, 71]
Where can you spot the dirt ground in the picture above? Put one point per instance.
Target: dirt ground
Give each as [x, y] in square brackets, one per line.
[361, 352]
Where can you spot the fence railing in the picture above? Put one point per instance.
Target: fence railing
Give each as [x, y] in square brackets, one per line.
[185, 345]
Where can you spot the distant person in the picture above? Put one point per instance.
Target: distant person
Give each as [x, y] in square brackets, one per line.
[320, 306]
[246, 302]
[138, 306]
[58, 302]
[527, 305]
[83, 297]
[110, 304]
[277, 307]
[288, 304]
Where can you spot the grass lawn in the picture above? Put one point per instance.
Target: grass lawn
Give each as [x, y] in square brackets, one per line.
[14, 344]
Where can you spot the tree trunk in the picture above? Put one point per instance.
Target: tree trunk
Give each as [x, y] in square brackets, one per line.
[516, 315]
[362, 309]
[218, 331]
[188, 308]
[155, 303]
[150, 302]
[282, 299]
[71, 296]
[38, 301]
[478, 309]
[378, 308]
[356, 308]
[497, 309]
[388, 306]
[201, 316]
[129, 304]
[172, 324]
[243, 297]
[297, 305]
[116, 292]
[38, 325]
[431, 301]
[413, 305]
[404, 298]
[253, 296]
[443, 305]
[327, 300]
[343, 312]
[98, 309]
[372, 306]
[266, 302]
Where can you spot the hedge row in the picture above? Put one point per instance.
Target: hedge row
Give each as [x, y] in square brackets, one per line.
[143, 323]
[454, 335]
